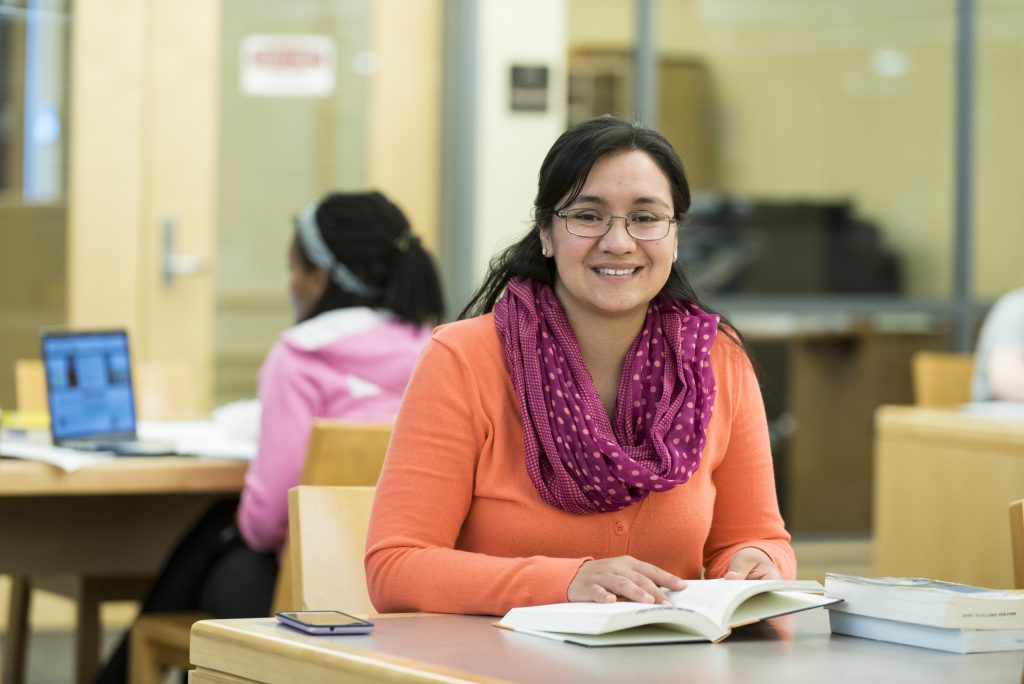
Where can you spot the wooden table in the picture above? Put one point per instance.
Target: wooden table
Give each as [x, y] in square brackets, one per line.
[115, 519]
[459, 648]
[944, 479]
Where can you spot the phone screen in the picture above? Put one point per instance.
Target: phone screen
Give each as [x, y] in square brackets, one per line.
[324, 618]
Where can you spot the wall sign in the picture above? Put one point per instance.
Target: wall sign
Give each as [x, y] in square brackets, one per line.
[529, 89]
[292, 65]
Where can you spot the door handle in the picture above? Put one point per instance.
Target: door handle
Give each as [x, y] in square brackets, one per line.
[173, 264]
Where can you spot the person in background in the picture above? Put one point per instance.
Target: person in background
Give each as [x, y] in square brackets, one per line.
[594, 432]
[999, 357]
[365, 296]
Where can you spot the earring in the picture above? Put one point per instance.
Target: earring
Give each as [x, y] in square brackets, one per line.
[544, 251]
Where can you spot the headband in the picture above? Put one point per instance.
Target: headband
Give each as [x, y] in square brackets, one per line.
[321, 255]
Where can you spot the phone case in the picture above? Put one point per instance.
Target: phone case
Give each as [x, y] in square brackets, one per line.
[361, 628]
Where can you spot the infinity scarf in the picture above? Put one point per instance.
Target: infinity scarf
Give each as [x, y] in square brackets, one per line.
[578, 461]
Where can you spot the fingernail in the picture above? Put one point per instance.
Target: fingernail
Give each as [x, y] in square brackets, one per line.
[648, 598]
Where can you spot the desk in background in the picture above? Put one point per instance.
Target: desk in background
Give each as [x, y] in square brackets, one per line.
[120, 516]
[462, 648]
[112, 519]
[831, 381]
[944, 479]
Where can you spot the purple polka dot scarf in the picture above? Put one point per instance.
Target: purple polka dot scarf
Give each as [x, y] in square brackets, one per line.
[576, 458]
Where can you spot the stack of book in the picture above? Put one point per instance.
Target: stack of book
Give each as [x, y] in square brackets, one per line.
[927, 613]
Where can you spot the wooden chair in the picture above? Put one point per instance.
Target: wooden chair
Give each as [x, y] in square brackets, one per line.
[942, 378]
[166, 390]
[1017, 539]
[339, 453]
[327, 528]
[30, 386]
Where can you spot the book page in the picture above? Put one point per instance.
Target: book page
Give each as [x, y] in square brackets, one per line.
[644, 634]
[774, 603]
[600, 618]
[718, 598]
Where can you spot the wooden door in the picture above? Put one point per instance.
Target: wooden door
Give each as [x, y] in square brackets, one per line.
[142, 173]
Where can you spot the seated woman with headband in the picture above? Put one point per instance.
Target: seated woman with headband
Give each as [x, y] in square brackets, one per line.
[365, 296]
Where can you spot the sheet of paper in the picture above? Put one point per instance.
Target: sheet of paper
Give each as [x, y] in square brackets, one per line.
[199, 438]
[205, 439]
[18, 446]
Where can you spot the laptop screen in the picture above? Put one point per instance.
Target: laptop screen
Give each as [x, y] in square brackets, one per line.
[89, 384]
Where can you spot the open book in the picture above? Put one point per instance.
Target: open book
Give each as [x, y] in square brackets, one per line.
[707, 610]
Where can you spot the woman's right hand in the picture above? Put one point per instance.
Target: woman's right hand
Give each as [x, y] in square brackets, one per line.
[607, 579]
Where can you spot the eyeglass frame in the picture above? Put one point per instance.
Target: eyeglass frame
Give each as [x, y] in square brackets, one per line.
[564, 215]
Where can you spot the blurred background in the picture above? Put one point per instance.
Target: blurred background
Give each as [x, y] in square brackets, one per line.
[153, 153]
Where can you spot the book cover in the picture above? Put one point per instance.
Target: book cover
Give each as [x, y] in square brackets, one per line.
[927, 602]
[926, 636]
[707, 610]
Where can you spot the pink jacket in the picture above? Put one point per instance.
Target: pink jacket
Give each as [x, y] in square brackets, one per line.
[351, 364]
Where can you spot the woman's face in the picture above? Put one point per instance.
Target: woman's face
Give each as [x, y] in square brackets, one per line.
[614, 275]
[306, 287]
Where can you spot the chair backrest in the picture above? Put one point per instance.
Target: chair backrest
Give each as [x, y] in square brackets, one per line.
[1017, 541]
[30, 386]
[340, 453]
[164, 389]
[942, 378]
[327, 530]
[345, 453]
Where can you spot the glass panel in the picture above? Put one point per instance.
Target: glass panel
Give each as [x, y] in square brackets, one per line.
[818, 137]
[33, 143]
[33, 96]
[279, 151]
[828, 127]
[999, 140]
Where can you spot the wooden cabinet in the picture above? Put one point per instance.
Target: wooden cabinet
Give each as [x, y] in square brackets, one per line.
[601, 82]
[835, 383]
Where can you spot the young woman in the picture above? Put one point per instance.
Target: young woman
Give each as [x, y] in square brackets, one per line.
[594, 433]
[999, 356]
[365, 296]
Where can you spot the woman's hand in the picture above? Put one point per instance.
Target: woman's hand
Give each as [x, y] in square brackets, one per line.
[751, 563]
[603, 581]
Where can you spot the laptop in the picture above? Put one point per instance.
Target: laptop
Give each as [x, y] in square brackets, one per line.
[90, 393]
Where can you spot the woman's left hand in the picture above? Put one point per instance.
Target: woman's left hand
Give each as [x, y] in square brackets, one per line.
[751, 563]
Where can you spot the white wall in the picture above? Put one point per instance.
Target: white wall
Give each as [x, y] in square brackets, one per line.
[511, 145]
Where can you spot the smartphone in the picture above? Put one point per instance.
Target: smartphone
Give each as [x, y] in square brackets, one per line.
[324, 622]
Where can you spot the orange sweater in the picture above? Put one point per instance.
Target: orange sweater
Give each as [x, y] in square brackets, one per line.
[458, 527]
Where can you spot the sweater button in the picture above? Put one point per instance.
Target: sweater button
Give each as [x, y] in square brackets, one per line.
[620, 528]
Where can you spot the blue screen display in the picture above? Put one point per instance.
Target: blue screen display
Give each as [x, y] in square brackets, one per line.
[89, 382]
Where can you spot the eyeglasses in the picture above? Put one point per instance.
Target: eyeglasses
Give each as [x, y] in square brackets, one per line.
[592, 223]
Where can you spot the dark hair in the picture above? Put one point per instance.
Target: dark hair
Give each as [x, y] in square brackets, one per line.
[372, 237]
[563, 174]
